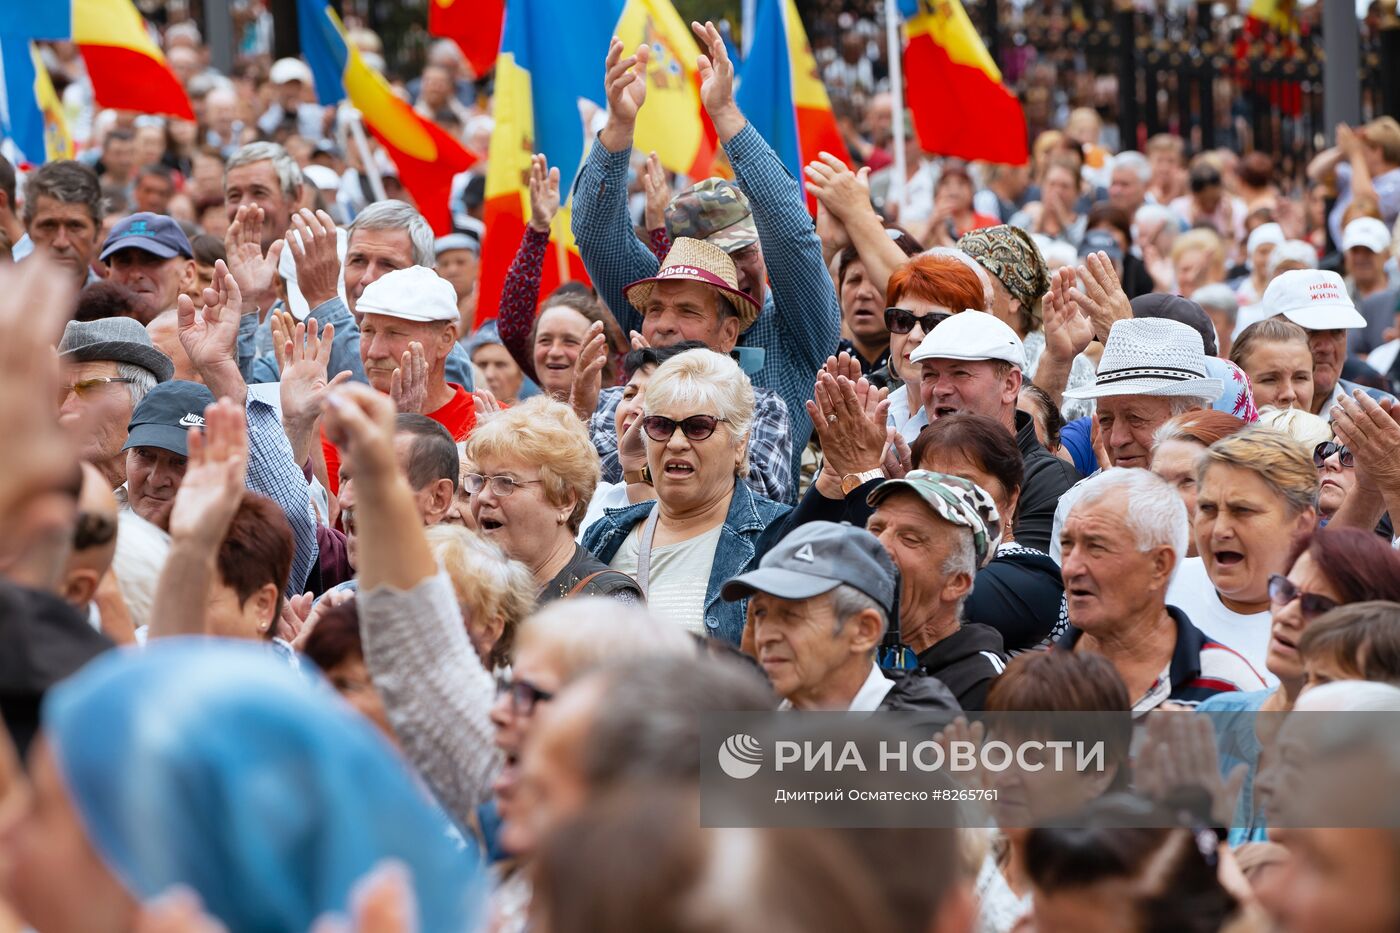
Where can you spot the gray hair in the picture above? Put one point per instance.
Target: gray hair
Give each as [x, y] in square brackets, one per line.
[1219, 296]
[1155, 514]
[961, 559]
[711, 382]
[1155, 213]
[67, 182]
[584, 631]
[398, 215]
[288, 172]
[1181, 404]
[847, 601]
[1136, 161]
[142, 381]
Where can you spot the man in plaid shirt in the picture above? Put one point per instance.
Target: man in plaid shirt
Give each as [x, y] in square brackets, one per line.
[799, 324]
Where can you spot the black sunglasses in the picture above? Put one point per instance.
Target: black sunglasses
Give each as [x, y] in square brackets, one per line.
[696, 428]
[1327, 448]
[1282, 592]
[523, 694]
[902, 320]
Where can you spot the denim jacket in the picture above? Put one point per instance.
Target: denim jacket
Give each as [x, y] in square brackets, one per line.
[749, 515]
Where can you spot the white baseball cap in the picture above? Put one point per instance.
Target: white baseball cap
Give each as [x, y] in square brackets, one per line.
[413, 294]
[1366, 232]
[1299, 251]
[1264, 233]
[972, 335]
[1314, 299]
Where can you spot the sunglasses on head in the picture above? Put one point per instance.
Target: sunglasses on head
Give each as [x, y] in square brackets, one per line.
[696, 428]
[1327, 448]
[902, 320]
[1282, 592]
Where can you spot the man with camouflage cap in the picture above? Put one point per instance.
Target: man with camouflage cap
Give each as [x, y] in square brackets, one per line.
[940, 529]
[762, 222]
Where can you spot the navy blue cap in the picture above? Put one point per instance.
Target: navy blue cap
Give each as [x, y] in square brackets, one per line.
[164, 417]
[157, 234]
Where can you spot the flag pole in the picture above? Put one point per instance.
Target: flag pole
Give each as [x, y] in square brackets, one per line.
[895, 50]
[351, 118]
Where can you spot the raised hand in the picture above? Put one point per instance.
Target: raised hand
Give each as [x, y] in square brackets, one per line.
[178, 910]
[210, 335]
[484, 404]
[658, 193]
[408, 385]
[1101, 296]
[317, 256]
[254, 271]
[544, 194]
[852, 442]
[212, 487]
[638, 341]
[305, 358]
[841, 191]
[717, 82]
[625, 82]
[588, 372]
[632, 447]
[360, 422]
[1067, 329]
[1371, 431]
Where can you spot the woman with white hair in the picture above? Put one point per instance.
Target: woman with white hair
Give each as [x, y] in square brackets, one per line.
[703, 526]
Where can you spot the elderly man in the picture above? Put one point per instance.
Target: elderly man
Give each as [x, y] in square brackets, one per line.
[111, 365]
[63, 216]
[263, 175]
[150, 254]
[1124, 534]
[290, 79]
[696, 296]
[1129, 175]
[972, 363]
[820, 606]
[1366, 246]
[761, 221]
[1152, 370]
[1317, 301]
[939, 529]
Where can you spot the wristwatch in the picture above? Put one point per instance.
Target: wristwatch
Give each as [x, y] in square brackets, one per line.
[853, 481]
[637, 476]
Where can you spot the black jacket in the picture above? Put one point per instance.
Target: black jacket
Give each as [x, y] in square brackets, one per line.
[967, 662]
[1046, 479]
[1018, 593]
[917, 691]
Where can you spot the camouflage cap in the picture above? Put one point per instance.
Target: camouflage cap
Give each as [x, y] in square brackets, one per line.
[714, 210]
[1011, 255]
[957, 500]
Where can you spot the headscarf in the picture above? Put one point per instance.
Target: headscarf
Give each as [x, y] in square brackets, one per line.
[212, 764]
[1011, 255]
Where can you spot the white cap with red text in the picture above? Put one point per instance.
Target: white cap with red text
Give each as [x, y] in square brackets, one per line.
[1314, 299]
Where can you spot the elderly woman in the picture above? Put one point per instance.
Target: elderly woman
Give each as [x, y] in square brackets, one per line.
[1275, 355]
[703, 526]
[126, 766]
[1178, 445]
[922, 292]
[1256, 496]
[503, 377]
[1329, 568]
[1018, 591]
[536, 471]
[494, 592]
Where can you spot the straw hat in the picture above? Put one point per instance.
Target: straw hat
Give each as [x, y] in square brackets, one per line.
[692, 260]
[1152, 356]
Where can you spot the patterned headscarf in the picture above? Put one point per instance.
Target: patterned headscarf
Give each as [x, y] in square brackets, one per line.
[1011, 255]
[956, 500]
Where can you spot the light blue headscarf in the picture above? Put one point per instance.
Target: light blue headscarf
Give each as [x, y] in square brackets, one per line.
[211, 764]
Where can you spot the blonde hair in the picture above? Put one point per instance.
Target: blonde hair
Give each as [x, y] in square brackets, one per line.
[545, 432]
[1303, 426]
[1275, 457]
[1269, 330]
[1384, 134]
[711, 383]
[588, 630]
[1199, 238]
[488, 584]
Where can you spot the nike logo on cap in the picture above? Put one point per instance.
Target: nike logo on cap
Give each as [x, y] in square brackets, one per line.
[191, 420]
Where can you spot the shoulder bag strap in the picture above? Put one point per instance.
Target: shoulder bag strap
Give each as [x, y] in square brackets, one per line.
[644, 548]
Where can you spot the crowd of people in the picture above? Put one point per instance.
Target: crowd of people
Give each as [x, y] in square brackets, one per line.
[323, 605]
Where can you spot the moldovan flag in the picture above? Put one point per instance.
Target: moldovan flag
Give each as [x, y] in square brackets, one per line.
[1280, 15]
[127, 69]
[475, 25]
[954, 90]
[548, 90]
[426, 155]
[781, 92]
[31, 115]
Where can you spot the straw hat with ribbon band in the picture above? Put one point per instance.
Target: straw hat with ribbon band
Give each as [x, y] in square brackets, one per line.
[1152, 356]
[693, 260]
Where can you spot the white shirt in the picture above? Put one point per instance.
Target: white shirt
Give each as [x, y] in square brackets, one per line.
[678, 577]
[908, 425]
[872, 693]
[1338, 393]
[1381, 358]
[1193, 593]
[606, 496]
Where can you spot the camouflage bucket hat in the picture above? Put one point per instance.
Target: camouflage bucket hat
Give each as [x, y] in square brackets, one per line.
[715, 211]
[956, 500]
[1011, 255]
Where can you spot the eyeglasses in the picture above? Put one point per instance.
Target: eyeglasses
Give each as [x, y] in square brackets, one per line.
[85, 386]
[501, 486]
[1282, 592]
[1327, 448]
[523, 694]
[902, 320]
[696, 428]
